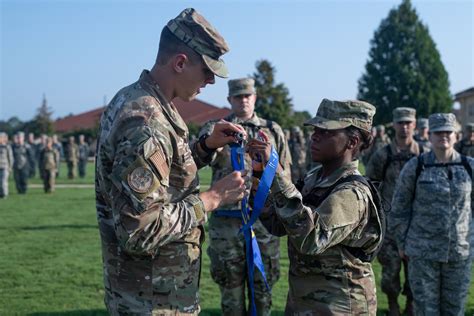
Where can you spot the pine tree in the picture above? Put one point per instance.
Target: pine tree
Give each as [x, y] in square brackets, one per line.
[43, 123]
[404, 68]
[273, 101]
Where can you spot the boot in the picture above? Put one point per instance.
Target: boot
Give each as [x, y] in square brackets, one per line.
[393, 308]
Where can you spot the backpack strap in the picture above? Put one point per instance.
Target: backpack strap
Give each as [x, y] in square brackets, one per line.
[377, 200]
[388, 161]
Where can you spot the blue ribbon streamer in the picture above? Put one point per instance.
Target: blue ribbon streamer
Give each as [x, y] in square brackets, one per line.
[253, 255]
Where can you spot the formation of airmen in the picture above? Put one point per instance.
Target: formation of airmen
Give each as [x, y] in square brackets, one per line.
[151, 212]
[44, 155]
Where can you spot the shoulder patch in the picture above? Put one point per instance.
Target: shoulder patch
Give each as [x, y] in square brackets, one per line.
[140, 179]
[158, 160]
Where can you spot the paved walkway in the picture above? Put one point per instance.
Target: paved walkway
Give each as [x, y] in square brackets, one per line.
[65, 186]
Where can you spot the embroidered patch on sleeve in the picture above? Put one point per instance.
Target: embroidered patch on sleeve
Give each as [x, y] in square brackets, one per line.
[158, 160]
[140, 180]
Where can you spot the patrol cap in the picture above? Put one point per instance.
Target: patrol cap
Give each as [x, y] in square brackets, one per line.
[341, 114]
[197, 33]
[470, 127]
[422, 123]
[403, 114]
[380, 128]
[443, 122]
[241, 86]
[295, 129]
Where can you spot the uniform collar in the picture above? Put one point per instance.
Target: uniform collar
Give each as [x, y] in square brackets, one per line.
[168, 107]
[347, 169]
[414, 147]
[253, 121]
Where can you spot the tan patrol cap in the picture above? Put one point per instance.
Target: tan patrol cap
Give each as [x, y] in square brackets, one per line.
[241, 86]
[422, 123]
[197, 33]
[403, 114]
[342, 114]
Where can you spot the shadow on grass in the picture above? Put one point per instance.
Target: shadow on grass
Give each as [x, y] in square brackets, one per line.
[50, 227]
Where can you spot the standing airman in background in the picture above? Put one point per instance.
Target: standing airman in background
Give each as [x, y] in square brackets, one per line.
[72, 153]
[385, 166]
[83, 149]
[6, 164]
[59, 148]
[21, 165]
[466, 145]
[48, 163]
[432, 222]
[422, 133]
[298, 147]
[32, 155]
[226, 245]
[380, 140]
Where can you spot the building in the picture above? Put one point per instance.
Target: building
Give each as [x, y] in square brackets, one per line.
[196, 111]
[466, 111]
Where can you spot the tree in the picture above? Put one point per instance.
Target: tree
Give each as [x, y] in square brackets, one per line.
[273, 101]
[404, 68]
[42, 123]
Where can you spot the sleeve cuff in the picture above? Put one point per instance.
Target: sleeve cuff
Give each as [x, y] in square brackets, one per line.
[198, 211]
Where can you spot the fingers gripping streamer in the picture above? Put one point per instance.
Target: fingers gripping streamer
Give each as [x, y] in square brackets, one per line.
[253, 256]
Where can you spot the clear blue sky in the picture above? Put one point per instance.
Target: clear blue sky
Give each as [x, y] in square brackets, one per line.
[77, 52]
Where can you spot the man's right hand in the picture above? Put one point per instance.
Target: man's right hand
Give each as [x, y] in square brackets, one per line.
[227, 190]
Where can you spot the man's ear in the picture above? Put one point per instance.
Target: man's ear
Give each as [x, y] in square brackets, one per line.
[179, 62]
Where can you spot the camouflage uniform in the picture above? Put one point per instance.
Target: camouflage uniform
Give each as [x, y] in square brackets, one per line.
[59, 148]
[298, 148]
[420, 124]
[386, 170]
[226, 245]
[379, 142]
[32, 158]
[72, 153]
[21, 166]
[6, 165]
[48, 164]
[465, 146]
[149, 212]
[83, 155]
[325, 277]
[433, 225]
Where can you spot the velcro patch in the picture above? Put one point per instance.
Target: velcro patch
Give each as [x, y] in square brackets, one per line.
[158, 160]
[140, 179]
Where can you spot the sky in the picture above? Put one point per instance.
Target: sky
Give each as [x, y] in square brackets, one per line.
[80, 53]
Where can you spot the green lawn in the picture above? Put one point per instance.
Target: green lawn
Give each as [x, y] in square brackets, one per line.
[50, 262]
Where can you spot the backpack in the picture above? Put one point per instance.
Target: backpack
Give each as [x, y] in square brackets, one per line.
[421, 165]
[391, 158]
[377, 200]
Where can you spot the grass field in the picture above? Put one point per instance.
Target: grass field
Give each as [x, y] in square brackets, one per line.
[50, 262]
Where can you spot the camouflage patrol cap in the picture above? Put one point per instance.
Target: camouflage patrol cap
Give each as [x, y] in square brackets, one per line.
[380, 128]
[470, 127]
[403, 114]
[342, 114]
[197, 33]
[443, 122]
[241, 86]
[422, 123]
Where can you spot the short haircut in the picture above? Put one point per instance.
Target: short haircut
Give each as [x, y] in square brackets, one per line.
[170, 45]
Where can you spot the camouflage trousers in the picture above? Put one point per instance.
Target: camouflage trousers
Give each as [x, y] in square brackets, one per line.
[228, 265]
[439, 288]
[49, 179]
[4, 182]
[81, 167]
[21, 179]
[71, 169]
[392, 264]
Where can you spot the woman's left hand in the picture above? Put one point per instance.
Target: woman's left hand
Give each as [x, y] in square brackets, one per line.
[259, 149]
